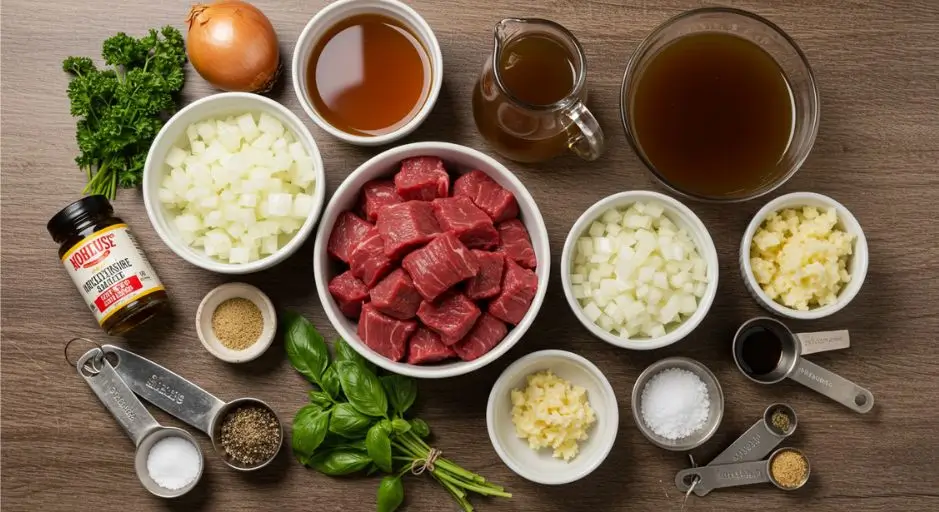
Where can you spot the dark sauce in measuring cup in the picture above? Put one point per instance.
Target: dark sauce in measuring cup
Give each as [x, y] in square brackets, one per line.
[759, 350]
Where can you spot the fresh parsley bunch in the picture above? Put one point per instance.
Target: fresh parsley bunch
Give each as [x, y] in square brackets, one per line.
[121, 109]
[355, 422]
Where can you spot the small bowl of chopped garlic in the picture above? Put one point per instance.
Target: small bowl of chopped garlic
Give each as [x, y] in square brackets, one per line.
[804, 256]
[639, 270]
[234, 183]
[552, 417]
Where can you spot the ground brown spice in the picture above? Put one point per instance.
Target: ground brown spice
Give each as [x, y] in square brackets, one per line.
[789, 468]
[237, 323]
[250, 434]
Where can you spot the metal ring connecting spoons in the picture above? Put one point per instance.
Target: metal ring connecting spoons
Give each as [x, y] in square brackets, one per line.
[710, 477]
[185, 400]
[134, 418]
[767, 352]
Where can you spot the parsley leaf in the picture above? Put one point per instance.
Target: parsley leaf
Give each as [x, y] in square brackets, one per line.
[122, 108]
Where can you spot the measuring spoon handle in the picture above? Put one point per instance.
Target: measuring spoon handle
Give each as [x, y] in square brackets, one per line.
[833, 386]
[117, 397]
[166, 389]
[726, 475]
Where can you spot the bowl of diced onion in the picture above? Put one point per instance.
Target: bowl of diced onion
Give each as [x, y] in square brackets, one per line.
[234, 183]
[639, 270]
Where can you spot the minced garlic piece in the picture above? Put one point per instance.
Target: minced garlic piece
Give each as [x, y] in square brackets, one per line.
[800, 258]
[551, 412]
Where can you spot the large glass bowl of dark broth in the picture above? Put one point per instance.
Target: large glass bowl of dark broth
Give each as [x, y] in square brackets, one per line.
[720, 104]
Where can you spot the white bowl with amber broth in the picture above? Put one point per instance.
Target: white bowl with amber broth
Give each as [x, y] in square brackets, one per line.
[541, 466]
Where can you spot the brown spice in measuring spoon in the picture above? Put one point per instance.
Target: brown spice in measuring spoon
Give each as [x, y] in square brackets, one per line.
[250, 435]
[789, 468]
[781, 421]
[237, 323]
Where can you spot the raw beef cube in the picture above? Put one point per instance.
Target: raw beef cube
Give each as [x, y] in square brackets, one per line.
[437, 266]
[489, 196]
[473, 227]
[406, 226]
[488, 282]
[425, 347]
[396, 296]
[348, 231]
[514, 242]
[368, 261]
[423, 178]
[519, 286]
[349, 292]
[383, 334]
[487, 333]
[378, 193]
[452, 317]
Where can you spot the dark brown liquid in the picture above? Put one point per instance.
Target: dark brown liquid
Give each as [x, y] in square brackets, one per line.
[713, 115]
[535, 70]
[368, 75]
[760, 350]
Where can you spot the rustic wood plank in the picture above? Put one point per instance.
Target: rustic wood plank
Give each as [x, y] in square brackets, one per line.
[877, 65]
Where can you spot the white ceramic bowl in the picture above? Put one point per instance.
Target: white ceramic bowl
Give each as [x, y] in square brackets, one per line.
[174, 133]
[683, 217]
[540, 466]
[857, 266]
[325, 19]
[459, 159]
[207, 308]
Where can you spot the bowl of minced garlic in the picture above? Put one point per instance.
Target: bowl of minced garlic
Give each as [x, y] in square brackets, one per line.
[236, 322]
[804, 256]
[552, 417]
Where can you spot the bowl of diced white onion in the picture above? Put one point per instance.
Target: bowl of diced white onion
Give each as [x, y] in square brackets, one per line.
[639, 270]
[234, 183]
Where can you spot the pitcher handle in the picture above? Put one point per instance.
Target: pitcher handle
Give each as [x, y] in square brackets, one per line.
[585, 137]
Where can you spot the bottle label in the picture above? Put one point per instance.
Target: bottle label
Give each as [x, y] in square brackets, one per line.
[110, 271]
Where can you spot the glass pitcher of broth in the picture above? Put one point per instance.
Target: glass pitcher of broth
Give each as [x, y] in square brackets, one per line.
[529, 99]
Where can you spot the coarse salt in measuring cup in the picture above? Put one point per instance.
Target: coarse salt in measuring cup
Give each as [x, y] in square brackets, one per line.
[173, 462]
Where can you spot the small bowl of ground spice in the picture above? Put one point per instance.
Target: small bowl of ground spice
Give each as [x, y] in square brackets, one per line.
[236, 322]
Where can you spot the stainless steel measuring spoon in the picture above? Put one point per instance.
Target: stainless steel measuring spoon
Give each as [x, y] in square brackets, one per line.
[127, 409]
[757, 442]
[732, 475]
[792, 365]
[185, 400]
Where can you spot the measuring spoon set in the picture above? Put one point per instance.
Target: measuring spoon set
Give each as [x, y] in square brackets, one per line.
[117, 376]
[742, 462]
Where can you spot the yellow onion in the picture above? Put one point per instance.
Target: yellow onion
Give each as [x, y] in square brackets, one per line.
[233, 46]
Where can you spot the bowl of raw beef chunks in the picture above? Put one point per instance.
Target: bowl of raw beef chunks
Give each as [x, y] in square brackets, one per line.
[431, 260]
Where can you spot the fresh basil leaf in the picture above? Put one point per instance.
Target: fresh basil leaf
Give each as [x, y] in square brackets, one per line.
[362, 388]
[390, 494]
[345, 352]
[348, 422]
[309, 429]
[378, 445]
[398, 425]
[419, 427]
[321, 398]
[305, 347]
[401, 390]
[330, 382]
[336, 442]
[340, 461]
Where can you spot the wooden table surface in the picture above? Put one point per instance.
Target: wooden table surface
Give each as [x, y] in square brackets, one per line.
[877, 66]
